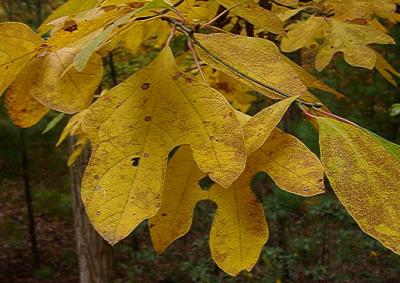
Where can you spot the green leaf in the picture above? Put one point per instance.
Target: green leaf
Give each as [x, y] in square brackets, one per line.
[54, 122]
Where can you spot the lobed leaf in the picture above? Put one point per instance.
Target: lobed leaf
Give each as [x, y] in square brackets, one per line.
[352, 40]
[133, 128]
[181, 193]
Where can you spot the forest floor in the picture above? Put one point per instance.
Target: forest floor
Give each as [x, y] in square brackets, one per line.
[56, 246]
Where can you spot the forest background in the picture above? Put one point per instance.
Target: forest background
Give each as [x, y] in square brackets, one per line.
[312, 240]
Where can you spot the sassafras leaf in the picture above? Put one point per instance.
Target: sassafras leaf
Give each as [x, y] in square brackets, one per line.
[302, 33]
[180, 195]
[255, 14]
[292, 166]
[19, 44]
[68, 9]
[255, 57]
[365, 177]
[24, 110]
[259, 127]
[352, 40]
[239, 230]
[56, 84]
[135, 126]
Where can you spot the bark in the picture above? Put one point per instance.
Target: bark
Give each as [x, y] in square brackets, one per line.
[94, 254]
[28, 201]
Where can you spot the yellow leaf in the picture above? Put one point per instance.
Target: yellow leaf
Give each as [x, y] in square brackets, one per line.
[346, 10]
[23, 109]
[234, 91]
[19, 45]
[287, 13]
[239, 230]
[386, 70]
[310, 81]
[135, 126]
[365, 177]
[259, 127]
[74, 130]
[77, 31]
[240, 52]
[68, 9]
[73, 127]
[252, 12]
[136, 36]
[180, 195]
[198, 10]
[119, 2]
[302, 33]
[56, 84]
[80, 145]
[352, 40]
[101, 38]
[292, 166]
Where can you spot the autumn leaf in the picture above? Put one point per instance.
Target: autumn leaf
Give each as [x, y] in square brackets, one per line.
[239, 52]
[68, 9]
[302, 33]
[255, 14]
[235, 92]
[135, 126]
[386, 70]
[364, 176]
[239, 230]
[24, 110]
[355, 9]
[180, 195]
[55, 83]
[102, 37]
[259, 127]
[198, 10]
[19, 45]
[352, 40]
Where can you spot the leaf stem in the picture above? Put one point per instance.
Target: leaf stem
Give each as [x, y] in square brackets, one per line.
[210, 22]
[196, 60]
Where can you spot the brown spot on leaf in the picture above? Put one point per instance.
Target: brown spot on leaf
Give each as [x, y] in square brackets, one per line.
[70, 26]
[145, 86]
[147, 118]
[135, 161]
[177, 75]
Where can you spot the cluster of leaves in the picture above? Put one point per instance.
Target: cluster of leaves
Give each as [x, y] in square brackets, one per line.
[135, 174]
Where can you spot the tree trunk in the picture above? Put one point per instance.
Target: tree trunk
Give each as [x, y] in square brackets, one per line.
[94, 254]
[28, 201]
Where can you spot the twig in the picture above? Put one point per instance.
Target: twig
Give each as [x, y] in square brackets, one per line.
[210, 22]
[191, 47]
[171, 36]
